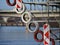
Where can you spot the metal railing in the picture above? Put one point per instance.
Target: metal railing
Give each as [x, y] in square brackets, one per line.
[39, 8]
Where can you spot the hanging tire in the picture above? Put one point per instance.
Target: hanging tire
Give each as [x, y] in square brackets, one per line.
[21, 9]
[29, 24]
[24, 19]
[53, 42]
[35, 36]
[11, 4]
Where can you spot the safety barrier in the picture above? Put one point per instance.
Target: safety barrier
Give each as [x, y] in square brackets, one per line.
[46, 29]
[42, 39]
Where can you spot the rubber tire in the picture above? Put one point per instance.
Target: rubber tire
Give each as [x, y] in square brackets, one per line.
[35, 36]
[20, 12]
[13, 4]
[28, 27]
[30, 17]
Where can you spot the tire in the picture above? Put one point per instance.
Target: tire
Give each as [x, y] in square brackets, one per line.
[23, 19]
[11, 4]
[29, 24]
[18, 10]
[35, 36]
